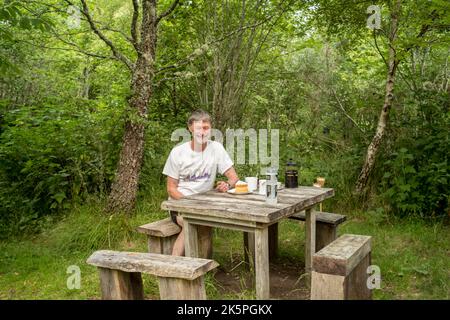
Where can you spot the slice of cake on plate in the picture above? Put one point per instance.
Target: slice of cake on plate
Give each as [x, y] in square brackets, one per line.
[241, 187]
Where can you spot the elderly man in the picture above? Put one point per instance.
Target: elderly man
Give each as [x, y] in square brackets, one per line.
[192, 167]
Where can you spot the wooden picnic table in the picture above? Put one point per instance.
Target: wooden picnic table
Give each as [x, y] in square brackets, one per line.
[249, 213]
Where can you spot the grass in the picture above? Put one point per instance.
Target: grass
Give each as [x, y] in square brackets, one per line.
[413, 255]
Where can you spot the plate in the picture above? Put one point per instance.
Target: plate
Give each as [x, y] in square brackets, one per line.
[233, 191]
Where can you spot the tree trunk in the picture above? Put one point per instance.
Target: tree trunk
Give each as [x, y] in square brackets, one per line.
[374, 146]
[124, 189]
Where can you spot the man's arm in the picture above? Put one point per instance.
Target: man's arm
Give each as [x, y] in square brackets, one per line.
[232, 179]
[172, 188]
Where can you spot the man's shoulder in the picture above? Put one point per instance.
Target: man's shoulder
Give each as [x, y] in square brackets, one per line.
[216, 144]
[179, 148]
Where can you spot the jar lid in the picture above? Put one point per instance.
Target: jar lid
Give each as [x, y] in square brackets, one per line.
[291, 163]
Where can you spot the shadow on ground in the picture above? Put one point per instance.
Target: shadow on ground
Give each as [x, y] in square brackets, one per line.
[287, 280]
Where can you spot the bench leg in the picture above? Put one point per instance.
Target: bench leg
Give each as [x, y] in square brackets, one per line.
[325, 234]
[337, 287]
[119, 285]
[182, 289]
[155, 245]
[356, 282]
[327, 286]
[161, 245]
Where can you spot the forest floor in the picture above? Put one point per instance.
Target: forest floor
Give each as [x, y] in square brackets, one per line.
[413, 256]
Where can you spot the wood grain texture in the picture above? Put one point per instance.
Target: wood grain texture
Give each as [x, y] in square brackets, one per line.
[190, 239]
[324, 217]
[249, 207]
[161, 228]
[356, 282]
[119, 285]
[310, 238]
[273, 241]
[325, 234]
[249, 248]
[152, 263]
[181, 289]
[327, 286]
[342, 255]
[262, 263]
[205, 245]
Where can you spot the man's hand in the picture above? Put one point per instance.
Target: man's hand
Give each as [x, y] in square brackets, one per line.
[223, 186]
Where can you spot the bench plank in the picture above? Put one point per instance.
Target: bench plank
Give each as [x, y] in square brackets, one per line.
[342, 255]
[325, 217]
[152, 263]
[161, 228]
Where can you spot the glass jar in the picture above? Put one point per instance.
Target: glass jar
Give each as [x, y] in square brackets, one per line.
[291, 175]
[272, 186]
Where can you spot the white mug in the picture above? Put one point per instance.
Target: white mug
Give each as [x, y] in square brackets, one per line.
[252, 183]
[262, 186]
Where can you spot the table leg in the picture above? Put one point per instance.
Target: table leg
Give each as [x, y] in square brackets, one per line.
[310, 245]
[190, 239]
[273, 241]
[249, 248]
[262, 263]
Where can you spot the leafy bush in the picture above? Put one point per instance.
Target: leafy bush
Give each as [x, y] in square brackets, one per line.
[416, 177]
[51, 155]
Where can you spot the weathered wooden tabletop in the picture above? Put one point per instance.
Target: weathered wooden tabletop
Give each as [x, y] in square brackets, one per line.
[249, 207]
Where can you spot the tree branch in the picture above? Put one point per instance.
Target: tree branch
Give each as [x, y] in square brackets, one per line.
[168, 11]
[199, 51]
[134, 33]
[75, 48]
[108, 42]
[345, 111]
[378, 49]
[338, 101]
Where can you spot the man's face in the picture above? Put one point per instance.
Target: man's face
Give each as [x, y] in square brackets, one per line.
[201, 131]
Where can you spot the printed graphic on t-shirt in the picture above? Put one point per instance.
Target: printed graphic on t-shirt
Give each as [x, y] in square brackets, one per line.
[204, 176]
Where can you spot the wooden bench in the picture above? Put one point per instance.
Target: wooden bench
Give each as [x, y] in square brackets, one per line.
[180, 278]
[161, 235]
[326, 226]
[339, 269]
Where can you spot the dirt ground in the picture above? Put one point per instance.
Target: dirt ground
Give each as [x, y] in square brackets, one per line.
[286, 280]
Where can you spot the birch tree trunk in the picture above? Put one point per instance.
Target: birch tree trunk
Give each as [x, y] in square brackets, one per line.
[380, 133]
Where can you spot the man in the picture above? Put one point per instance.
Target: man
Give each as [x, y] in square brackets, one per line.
[192, 167]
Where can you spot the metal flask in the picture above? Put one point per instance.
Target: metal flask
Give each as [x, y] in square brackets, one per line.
[291, 175]
[271, 186]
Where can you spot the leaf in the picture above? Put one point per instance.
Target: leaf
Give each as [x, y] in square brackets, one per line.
[410, 169]
[59, 197]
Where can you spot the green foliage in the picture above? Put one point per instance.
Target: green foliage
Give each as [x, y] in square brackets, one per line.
[15, 17]
[416, 178]
[51, 156]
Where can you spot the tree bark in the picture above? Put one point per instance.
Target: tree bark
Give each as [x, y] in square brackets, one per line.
[380, 133]
[124, 189]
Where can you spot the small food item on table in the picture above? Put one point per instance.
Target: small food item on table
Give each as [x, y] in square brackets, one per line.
[241, 187]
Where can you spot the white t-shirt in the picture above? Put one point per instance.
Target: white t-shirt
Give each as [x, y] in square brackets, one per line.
[196, 171]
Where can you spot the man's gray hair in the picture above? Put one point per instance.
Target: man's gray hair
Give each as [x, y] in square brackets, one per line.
[199, 115]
